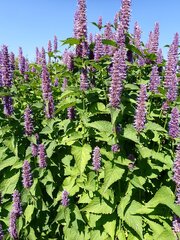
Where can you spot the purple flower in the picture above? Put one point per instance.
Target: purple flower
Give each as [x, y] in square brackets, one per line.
[46, 85]
[155, 41]
[171, 65]
[176, 224]
[115, 148]
[56, 82]
[154, 80]
[21, 59]
[12, 225]
[96, 159]
[84, 84]
[37, 56]
[90, 38]
[64, 85]
[109, 36]
[49, 106]
[8, 105]
[100, 22]
[80, 28]
[28, 123]
[1, 233]
[49, 46]
[125, 13]
[17, 207]
[137, 35]
[172, 91]
[165, 107]
[12, 61]
[26, 174]
[119, 35]
[55, 44]
[140, 116]
[174, 123]
[116, 19]
[68, 58]
[65, 199]
[42, 57]
[159, 56]
[131, 157]
[176, 176]
[118, 75]
[98, 48]
[34, 149]
[42, 156]
[6, 72]
[71, 113]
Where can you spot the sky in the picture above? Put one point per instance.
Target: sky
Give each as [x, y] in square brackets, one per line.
[31, 23]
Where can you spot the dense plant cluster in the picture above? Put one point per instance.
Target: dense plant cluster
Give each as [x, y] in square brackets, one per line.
[89, 140]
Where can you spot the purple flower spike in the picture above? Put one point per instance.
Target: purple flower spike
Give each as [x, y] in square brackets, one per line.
[21, 59]
[96, 159]
[84, 84]
[6, 72]
[34, 149]
[116, 19]
[118, 75]
[26, 70]
[1, 233]
[100, 22]
[65, 199]
[64, 84]
[71, 113]
[115, 148]
[46, 86]
[120, 36]
[49, 108]
[109, 36]
[28, 123]
[174, 123]
[55, 44]
[140, 116]
[8, 105]
[125, 13]
[26, 174]
[49, 46]
[176, 171]
[12, 226]
[98, 48]
[154, 80]
[37, 56]
[137, 36]
[42, 156]
[176, 224]
[12, 61]
[17, 208]
[56, 82]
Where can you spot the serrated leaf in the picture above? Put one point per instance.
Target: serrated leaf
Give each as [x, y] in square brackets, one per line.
[28, 213]
[109, 42]
[154, 127]
[82, 155]
[102, 126]
[130, 133]
[111, 175]
[71, 41]
[8, 185]
[8, 162]
[98, 206]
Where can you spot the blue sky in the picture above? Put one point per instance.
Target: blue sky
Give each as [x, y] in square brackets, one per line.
[31, 23]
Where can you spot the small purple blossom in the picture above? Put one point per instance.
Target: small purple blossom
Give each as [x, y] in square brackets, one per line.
[6, 72]
[42, 156]
[8, 105]
[98, 48]
[26, 69]
[71, 113]
[49, 106]
[174, 123]
[64, 84]
[65, 199]
[56, 82]
[1, 233]
[159, 56]
[176, 176]
[34, 149]
[100, 22]
[21, 59]
[26, 174]
[12, 225]
[118, 75]
[119, 35]
[137, 35]
[17, 207]
[55, 43]
[115, 148]
[96, 159]
[154, 80]
[28, 123]
[125, 13]
[165, 107]
[84, 84]
[46, 85]
[176, 224]
[140, 116]
[109, 36]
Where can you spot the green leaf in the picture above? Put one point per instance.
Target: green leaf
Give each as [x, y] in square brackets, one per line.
[51, 148]
[28, 213]
[111, 175]
[71, 41]
[130, 133]
[11, 144]
[8, 185]
[109, 42]
[167, 234]
[8, 162]
[82, 155]
[135, 222]
[154, 127]
[110, 227]
[102, 126]
[98, 206]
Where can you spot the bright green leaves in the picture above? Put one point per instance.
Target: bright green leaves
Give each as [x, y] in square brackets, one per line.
[82, 155]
